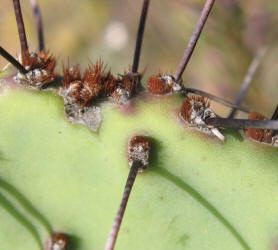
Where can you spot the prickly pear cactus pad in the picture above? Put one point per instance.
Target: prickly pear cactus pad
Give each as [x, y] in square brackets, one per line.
[198, 193]
[93, 159]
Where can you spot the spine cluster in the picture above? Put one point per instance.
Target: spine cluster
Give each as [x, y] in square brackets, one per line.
[40, 69]
[267, 136]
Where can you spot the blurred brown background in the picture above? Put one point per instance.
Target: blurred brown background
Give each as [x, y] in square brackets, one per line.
[90, 29]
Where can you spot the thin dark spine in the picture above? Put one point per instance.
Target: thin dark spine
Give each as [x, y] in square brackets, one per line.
[140, 34]
[248, 79]
[12, 60]
[242, 123]
[275, 117]
[275, 114]
[21, 29]
[38, 20]
[215, 98]
[110, 244]
[194, 39]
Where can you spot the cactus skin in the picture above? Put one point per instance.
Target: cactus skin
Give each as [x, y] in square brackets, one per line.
[198, 193]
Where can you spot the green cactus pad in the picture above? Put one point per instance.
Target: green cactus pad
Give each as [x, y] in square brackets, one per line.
[198, 193]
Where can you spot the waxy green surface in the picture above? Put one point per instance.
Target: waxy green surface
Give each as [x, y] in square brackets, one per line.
[198, 192]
